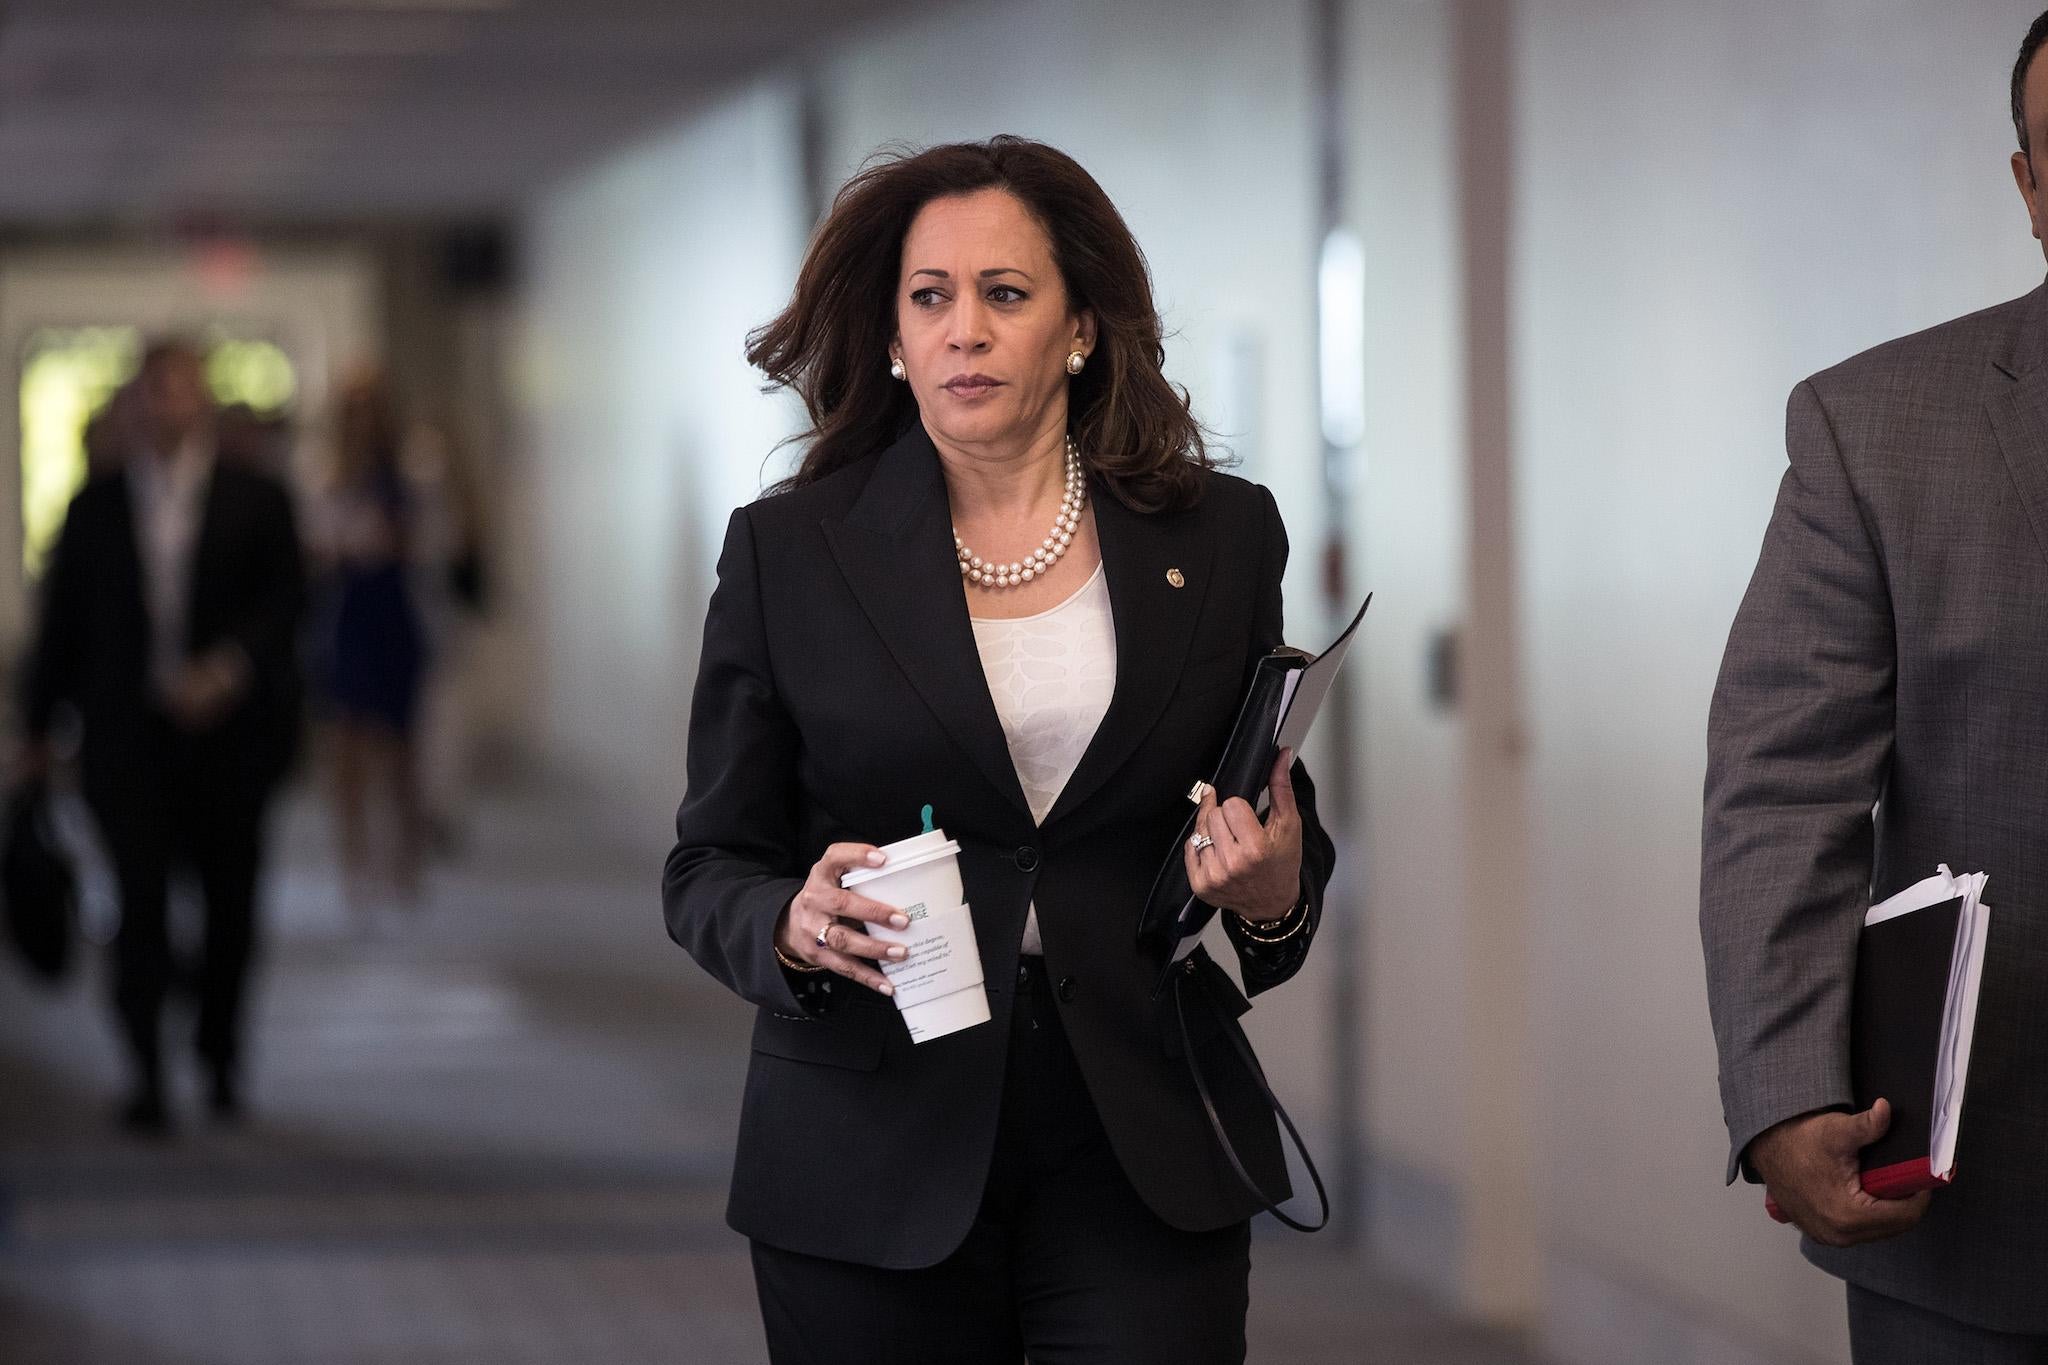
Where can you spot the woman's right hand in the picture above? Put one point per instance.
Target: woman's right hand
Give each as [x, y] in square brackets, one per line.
[823, 908]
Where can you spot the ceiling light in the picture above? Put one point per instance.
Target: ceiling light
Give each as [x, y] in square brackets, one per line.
[1340, 319]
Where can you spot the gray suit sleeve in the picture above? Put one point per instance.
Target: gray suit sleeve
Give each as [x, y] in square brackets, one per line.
[1799, 742]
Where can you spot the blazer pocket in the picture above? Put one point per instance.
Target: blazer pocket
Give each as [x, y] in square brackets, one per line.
[1231, 654]
[849, 1038]
[1209, 997]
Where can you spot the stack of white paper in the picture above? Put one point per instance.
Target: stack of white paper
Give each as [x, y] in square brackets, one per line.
[1959, 1017]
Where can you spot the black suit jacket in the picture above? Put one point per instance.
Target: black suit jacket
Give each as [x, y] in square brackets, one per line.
[840, 691]
[92, 646]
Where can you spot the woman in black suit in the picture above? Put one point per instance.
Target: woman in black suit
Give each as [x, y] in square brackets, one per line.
[974, 336]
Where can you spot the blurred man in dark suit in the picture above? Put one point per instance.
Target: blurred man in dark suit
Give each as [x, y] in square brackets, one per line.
[169, 628]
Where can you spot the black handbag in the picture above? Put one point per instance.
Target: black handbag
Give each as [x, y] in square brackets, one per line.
[1199, 977]
[38, 886]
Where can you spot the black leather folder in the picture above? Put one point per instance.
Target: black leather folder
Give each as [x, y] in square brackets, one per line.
[1913, 1015]
[1286, 688]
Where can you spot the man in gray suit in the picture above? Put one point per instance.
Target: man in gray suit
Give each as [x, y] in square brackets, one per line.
[1883, 708]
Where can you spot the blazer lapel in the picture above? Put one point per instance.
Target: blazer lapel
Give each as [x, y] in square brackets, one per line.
[1155, 622]
[895, 548]
[207, 548]
[2018, 409]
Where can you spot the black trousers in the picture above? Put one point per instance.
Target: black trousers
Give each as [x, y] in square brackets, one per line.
[1064, 1265]
[182, 814]
[1884, 1331]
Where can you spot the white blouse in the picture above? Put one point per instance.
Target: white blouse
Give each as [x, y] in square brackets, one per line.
[1051, 676]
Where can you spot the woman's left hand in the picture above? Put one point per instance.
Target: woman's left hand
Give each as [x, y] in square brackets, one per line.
[1249, 868]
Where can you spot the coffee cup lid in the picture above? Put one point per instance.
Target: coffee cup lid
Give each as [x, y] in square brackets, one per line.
[931, 853]
[916, 846]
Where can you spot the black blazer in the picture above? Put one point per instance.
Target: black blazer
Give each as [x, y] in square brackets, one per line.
[92, 643]
[840, 691]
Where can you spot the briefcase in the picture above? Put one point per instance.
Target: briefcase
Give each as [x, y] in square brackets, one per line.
[38, 886]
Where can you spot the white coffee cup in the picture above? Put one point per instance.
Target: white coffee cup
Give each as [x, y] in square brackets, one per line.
[939, 988]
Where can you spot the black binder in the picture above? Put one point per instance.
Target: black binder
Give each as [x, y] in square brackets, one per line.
[1901, 999]
[1919, 968]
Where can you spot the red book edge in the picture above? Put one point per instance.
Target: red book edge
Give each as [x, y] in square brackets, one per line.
[1897, 1181]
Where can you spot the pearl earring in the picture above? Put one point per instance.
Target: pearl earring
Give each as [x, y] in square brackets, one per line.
[1075, 360]
[896, 370]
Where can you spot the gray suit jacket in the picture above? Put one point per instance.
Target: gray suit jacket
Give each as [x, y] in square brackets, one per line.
[1892, 652]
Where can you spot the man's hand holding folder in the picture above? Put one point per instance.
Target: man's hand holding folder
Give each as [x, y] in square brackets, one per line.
[1859, 1177]
[1810, 1166]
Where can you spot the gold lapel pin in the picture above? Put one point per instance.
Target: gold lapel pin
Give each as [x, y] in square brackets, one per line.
[1175, 577]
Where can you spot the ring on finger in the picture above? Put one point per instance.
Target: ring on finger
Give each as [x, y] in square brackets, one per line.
[823, 932]
[1200, 842]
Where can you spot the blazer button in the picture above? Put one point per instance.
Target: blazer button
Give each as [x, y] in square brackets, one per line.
[1026, 859]
[1066, 989]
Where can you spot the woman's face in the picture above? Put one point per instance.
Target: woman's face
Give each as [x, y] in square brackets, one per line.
[983, 324]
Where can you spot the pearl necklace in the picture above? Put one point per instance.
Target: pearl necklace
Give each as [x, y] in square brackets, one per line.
[1039, 561]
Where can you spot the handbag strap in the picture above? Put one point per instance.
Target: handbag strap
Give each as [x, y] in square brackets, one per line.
[1258, 1073]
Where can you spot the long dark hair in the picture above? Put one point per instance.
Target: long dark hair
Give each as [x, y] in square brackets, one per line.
[830, 344]
[367, 435]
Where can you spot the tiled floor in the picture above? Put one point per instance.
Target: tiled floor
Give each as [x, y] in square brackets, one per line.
[497, 1133]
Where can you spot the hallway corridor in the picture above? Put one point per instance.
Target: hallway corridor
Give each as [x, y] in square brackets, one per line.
[498, 1133]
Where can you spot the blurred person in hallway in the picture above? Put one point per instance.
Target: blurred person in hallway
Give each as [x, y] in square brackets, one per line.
[371, 650]
[112, 433]
[453, 587]
[974, 335]
[255, 440]
[169, 627]
[1891, 654]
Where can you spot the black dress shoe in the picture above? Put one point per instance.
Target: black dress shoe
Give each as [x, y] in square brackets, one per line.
[144, 1114]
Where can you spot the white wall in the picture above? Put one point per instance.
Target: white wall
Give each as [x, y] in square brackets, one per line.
[645, 428]
[1714, 200]
[1408, 524]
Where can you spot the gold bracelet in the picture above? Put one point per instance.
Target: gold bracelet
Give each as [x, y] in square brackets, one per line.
[1251, 928]
[786, 960]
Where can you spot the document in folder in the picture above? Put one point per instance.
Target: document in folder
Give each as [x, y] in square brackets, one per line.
[1914, 1015]
[1306, 687]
